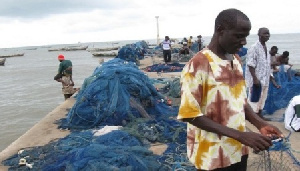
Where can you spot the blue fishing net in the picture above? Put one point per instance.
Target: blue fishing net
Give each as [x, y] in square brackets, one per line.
[133, 52]
[125, 149]
[278, 157]
[172, 88]
[279, 98]
[110, 98]
[116, 150]
[195, 47]
[117, 93]
[174, 67]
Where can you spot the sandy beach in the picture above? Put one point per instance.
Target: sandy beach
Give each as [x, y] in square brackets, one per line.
[45, 130]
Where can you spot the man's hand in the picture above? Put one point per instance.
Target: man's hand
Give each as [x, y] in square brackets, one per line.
[256, 82]
[271, 131]
[254, 140]
[277, 86]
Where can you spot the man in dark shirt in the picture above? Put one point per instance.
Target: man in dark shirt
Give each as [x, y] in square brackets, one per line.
[65, 76]
[199, 41]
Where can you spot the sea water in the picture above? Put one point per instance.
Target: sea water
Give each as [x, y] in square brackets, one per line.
[28, 92]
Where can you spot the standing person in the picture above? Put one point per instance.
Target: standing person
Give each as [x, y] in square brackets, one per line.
[190, 42]
[65, 76]
[214, 103]
[166, 46]
[199, 41]
[258, 71]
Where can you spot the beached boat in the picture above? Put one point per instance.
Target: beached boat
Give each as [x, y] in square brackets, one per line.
[69, 48]
[2, 61]
[11, 55]
[102, 49]
[112, 54]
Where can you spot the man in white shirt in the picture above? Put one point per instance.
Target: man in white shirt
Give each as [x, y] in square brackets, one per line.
[166, 46]
[292, 115]
[258, 70]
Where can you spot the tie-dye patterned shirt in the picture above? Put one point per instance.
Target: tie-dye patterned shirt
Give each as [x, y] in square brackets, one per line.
[215, 88]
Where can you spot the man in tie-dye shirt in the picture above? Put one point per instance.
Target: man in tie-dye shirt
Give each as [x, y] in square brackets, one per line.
[213, 101]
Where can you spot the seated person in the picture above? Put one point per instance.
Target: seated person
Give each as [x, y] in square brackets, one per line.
[274, 62]
[292, 115]
[284, 65]
[184, 40]
[283, 58]
[184, 50]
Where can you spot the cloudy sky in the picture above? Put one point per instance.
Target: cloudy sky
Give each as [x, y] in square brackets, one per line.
[43, 22]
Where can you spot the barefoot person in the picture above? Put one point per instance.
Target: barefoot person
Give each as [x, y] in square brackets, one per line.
[214, 102]
[65, 76]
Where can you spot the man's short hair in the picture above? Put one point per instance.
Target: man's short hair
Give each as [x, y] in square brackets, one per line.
[285, 54]
[274, 48]
[261, 29]
[228, 18]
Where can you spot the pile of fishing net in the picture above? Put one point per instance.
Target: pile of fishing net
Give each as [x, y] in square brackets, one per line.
[116, 93]
[171, 87]
[133, 52]
[117, 116]
[279, 98]
[173, 67]
[98, 149]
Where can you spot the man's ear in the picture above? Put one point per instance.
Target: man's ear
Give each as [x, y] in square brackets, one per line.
[220, 29]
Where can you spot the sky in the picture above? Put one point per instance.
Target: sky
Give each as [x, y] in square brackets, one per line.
[46, 22]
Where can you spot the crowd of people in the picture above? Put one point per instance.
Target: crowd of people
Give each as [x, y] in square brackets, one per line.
[211, 82]
[260, 66]
[211, 117]
[166, 46]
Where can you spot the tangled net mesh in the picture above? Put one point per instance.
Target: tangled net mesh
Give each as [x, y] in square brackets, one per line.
[279, 157]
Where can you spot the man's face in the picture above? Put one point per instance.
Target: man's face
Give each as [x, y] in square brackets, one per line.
[231, 40]
[273, 52]
[264, 35]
